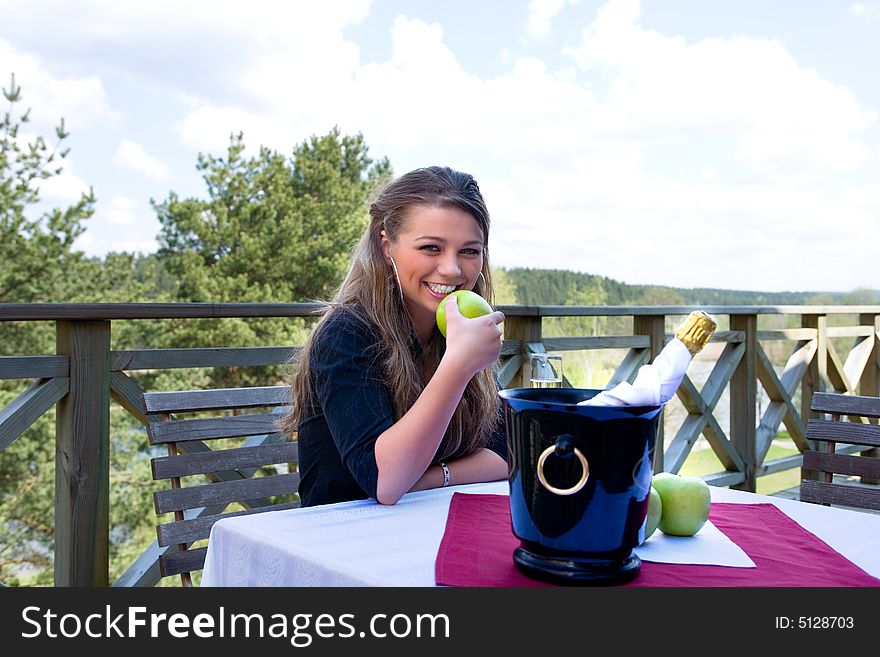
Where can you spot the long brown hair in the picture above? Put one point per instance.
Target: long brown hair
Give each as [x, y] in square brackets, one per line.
[370, 291]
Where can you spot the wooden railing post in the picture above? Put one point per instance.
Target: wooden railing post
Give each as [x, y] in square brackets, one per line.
[525, 328]
[743, 400]
[654, 326]
[869, 383]
[817, 371]
[82, 465]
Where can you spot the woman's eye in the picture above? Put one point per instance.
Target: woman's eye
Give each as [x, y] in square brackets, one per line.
[430, 247]
[471, 252]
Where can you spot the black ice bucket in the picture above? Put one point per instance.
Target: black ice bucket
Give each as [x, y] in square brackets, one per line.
[579, 483]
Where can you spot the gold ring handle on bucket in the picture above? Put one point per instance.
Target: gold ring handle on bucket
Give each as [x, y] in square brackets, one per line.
[563, 491]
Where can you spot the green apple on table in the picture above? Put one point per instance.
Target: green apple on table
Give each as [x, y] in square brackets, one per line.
[470, 304]
[686, 502]
[655, 510]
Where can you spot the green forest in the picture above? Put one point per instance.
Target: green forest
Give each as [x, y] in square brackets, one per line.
[269, 227]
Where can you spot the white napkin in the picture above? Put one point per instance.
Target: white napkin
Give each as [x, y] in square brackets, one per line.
[709, 547]
[654, 384]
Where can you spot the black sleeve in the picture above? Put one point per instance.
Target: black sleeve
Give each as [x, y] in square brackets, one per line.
[357, 407]
[498, 441]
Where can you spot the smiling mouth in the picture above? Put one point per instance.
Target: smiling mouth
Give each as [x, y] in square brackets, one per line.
[438, 290]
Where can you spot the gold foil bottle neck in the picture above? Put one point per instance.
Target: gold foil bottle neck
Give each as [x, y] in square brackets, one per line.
[696, 330]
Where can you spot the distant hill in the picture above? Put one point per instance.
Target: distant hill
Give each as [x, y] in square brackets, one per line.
[565, 287]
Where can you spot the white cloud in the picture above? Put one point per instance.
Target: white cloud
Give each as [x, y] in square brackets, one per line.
[540, 17]
[567, 161]
[865, 9]
[81, 101]
[785, 119]
[119, 211]
[119, 224]
[64, 189]
[646, 145]
[131, 155]
[217, 48]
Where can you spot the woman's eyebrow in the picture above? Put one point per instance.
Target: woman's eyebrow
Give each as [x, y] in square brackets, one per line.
[443, 240]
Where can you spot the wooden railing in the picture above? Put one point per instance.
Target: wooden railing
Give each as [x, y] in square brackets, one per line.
[84, 374]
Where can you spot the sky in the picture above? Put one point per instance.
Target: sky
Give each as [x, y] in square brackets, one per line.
[691, 143]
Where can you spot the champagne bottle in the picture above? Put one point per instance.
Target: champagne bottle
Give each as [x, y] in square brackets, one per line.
[657, 382]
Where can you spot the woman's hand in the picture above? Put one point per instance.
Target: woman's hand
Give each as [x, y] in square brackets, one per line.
[473, 343]
[404, 451]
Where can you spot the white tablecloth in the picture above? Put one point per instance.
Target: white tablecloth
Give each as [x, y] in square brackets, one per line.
[363, 543]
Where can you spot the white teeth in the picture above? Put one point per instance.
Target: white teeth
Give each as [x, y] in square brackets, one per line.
[441, 289]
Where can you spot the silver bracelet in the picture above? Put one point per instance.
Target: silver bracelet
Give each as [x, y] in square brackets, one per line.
[445, 469]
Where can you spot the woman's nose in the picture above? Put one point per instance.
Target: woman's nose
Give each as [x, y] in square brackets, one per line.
[449, 266]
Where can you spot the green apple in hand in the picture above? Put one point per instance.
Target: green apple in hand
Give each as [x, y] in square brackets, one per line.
[655, 510]
[470, 304]
[686, 502]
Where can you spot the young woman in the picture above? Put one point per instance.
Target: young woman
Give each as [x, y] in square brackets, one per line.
[383, 404]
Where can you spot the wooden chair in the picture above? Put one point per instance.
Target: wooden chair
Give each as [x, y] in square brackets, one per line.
[836, 443]
[242, 473]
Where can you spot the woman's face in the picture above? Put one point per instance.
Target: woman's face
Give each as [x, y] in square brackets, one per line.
[437, 250]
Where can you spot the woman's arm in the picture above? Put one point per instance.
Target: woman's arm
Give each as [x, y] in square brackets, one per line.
[484, 465]
[405, 450]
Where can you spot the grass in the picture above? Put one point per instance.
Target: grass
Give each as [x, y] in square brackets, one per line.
[703, 462]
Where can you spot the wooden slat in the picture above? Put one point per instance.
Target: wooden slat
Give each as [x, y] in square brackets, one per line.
[167, 359]
[535, 348]
[629, 366]
[780, 408]
[509, 370]
[844, 432]
[718, 336]
[680, 446]
[798, 363]
[780, 465]
[828, 493]
[857, 359]
[33, 367]
[25, 409]
[849, 331]
[130, 396]
[524, 329]
[721, 373]
[510, 347]
[186, 401]
[212, 428]
[724, 479]
[717, 439]
[826, 402]
[178, 499]
[143, 571]
[597, 342]
[196, 447]
[805, 334]
[728, 336]
[195, 529]
[174, 563]
[109, 311]
[182, 465]
[836, 373]
[768, 427]
[862, 466]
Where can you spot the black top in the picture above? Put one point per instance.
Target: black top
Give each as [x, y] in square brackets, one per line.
[349, 409]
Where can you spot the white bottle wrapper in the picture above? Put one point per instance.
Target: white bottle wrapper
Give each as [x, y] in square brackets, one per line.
[654, 384]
